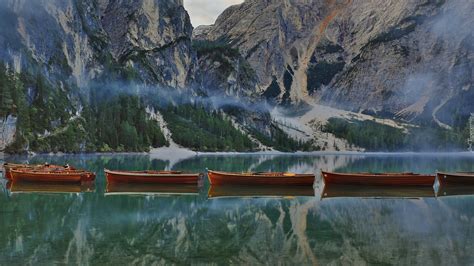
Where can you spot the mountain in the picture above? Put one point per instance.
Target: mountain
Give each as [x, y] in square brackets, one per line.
[77, 40]
[409, 60]
[117, 75]
[60, 55]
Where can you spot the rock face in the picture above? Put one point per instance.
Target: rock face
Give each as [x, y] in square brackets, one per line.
[223, 71]
[402, 59]
[153, 37]
[409, 59]
[7, 131]
[77, 40]
[65, 51]
[201, 32]
[278, 39]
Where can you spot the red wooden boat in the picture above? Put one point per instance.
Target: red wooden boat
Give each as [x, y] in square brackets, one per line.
[264, 178]
[462, 178]
[51, 175]
[163, 177]
[373, 179]
[7, 167]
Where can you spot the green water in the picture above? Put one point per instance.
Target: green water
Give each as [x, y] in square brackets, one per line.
[96, 228]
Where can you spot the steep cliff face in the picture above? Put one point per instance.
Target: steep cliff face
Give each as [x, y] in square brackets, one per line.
[401, 59]
[223, 71]
[415, 63]
[153, 37]
[45, 35]
[7, 131]
[78, 40]
[60, 54]
[278, 39]
[409, 60]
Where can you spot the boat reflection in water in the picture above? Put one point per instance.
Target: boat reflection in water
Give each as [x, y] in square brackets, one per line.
[455, 190]
[151, 189]
[17, 187]
[356, 191]
[269, 191]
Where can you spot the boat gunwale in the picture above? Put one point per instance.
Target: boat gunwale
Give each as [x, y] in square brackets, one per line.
[10, 166]
[377, 174]
[234, 174]
[59, 172]
[458, 174]
[125, 173]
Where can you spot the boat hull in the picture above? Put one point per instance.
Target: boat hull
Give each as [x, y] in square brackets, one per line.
[37, 176]
[7, 174]
[7, 167]
[378, 179]
[134, 177]
[223, 178]
[456, 178]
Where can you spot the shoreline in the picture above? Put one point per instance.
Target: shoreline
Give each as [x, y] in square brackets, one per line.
[167, 151]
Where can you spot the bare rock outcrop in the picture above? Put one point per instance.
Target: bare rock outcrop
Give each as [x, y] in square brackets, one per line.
[77, 41]
[400, 59]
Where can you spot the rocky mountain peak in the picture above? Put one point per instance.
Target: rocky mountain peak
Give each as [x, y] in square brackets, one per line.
[82, 38]
[381, 57]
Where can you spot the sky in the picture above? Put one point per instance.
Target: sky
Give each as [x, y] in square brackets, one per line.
[205, 12]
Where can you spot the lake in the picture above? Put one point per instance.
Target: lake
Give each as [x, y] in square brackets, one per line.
[106, 225]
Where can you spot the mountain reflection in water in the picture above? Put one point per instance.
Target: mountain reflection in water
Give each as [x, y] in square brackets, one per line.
[254, 228]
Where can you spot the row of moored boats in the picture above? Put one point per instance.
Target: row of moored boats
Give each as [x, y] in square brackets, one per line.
[56, 173]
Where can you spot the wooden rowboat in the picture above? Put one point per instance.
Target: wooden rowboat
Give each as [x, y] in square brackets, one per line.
[51, 175]
[7, 167]
[462, 178]
[270, 191]
[264, 178]
[379, 192]
[385, 179]
[163, 177]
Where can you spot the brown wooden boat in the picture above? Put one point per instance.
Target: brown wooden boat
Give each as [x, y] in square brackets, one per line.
[51, 175]
[380, 192]
[461, 178]
[269, 191]
[51, 187]
[375, 179]
[163, 177]
[264, 178]
[7, 167]
[146, 189]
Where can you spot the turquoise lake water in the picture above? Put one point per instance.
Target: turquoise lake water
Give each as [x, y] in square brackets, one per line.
[107, 225]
